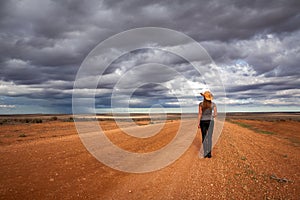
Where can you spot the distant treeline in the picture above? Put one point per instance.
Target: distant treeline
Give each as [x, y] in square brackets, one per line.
[266, 116]
[11, 120]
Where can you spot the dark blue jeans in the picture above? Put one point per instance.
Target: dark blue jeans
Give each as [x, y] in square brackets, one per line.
[207, 127]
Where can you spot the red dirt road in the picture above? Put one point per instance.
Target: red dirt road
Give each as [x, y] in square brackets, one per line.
[52, 163]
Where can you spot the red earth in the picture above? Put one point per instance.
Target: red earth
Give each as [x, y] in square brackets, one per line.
[48, 161]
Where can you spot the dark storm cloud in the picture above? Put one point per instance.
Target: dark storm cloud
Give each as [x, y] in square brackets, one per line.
[284, 91]
[151, 90]
[271, 55]
[214, 20]
[135, 60]
[44, 42]
[275, 85]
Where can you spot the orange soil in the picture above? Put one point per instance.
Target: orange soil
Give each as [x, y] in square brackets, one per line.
[52, 163]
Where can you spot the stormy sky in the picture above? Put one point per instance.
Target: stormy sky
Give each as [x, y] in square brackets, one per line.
[255, 46]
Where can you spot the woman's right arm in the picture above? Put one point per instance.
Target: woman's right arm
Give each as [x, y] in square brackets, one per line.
[199, 114]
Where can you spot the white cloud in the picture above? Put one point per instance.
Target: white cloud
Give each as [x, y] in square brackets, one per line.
[7, 106]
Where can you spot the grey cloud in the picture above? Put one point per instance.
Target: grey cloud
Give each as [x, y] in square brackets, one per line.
[273, 56]
[44, 42]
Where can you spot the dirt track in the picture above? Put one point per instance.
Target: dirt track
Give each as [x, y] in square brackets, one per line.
[245, 165]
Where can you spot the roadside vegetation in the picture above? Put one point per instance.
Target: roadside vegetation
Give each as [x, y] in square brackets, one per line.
[248, 126]
[13, 121]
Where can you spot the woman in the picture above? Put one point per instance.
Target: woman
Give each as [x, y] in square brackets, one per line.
[207, 113]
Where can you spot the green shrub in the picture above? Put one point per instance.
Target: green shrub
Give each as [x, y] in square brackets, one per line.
[248, 126]
[243, 158]
[37, 121]
[54, 118]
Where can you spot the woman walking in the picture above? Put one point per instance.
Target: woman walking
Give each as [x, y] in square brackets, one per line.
[207, 113]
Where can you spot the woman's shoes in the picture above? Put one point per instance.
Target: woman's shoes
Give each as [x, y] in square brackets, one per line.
[207, 155]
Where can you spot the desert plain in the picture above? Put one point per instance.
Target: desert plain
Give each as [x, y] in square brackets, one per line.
[257, 156]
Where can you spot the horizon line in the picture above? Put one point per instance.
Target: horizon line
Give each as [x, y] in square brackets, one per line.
[122, 113]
